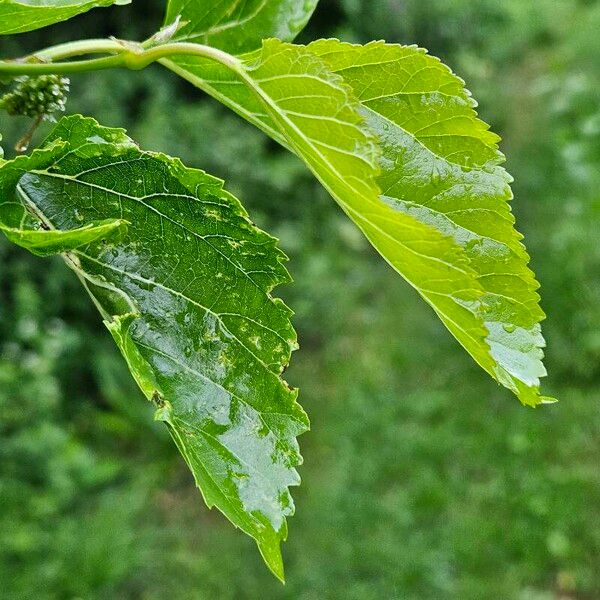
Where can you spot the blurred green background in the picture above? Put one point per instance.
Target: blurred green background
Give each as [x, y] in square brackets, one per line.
[422, 478]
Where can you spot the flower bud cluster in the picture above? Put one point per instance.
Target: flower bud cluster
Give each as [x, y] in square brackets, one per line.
[37, 96]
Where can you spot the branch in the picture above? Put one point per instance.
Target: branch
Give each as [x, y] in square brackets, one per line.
[128, 55]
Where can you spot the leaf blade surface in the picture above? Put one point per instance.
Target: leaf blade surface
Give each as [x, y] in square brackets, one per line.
[293, 96]
[236, 26]
[18, 16]
[185, 292]
[432, 144]
[442, 165]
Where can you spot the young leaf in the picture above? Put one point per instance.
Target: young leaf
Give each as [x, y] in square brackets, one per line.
[441, 164]
[434, 148]
[185, 292]
[17, 16]
[44, 242]
[237, 26]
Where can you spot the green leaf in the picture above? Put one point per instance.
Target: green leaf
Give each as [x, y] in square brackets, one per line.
[239, 26]
[186, 293]
[439, 171]
[17, 16]
[44, 242]
[292, 94]
[441, 164]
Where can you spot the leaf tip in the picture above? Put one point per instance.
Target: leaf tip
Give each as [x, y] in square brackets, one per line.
[270, 551]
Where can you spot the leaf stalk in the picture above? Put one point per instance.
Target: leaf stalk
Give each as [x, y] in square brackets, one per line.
[125, 54]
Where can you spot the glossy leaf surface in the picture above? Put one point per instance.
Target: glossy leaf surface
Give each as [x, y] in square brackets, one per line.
[463, 273]
[239, 25]
[185, 291]
[17, 16]
[291, 93]
[441, 164]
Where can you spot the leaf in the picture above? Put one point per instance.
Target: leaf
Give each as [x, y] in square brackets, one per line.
[44, 242]
[480, 277]
[17, 16]
[239, 25]
[441, 164]
[185, 293]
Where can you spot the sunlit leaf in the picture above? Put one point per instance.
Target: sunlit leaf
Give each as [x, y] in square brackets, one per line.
[293, 96]
[441, 164]
[185, 291]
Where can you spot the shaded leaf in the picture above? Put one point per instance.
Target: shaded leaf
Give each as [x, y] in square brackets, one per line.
[239, 26]
[185, 293]
[17, 16]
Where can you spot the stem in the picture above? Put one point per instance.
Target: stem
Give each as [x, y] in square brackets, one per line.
[129, 55]
[16, 68]
[22, 145]
[94, 46]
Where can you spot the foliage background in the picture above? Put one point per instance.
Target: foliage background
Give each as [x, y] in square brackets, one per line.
[422, 479]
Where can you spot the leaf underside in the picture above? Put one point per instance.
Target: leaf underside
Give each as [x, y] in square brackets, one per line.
[18, 16]
[392, 134]
[182, 279]
[441, 164]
